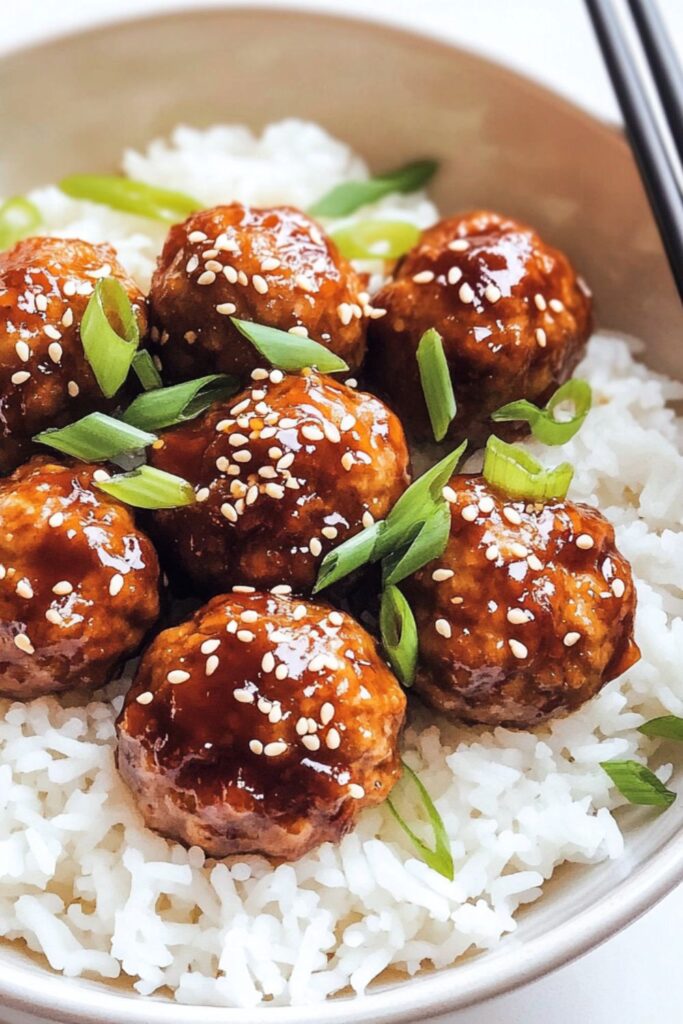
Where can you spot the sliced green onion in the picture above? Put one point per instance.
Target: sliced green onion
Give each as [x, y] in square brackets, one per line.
[96, 438]
[351, 195]
[147, 487]
[164, 407]
[288, 351]
[429, 541]
[436, 382]
[347, 557]
[110, 334]
[131, 196]
[669, 727]
[512, 470]
[19, 217]
[440, 858]
[542, 422]
[375, 239]
[146, 371]
[399, 634]
[638, 784]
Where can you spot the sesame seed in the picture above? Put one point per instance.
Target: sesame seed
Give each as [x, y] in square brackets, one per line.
[518, 649]
[56, 519]
[62, 588]
[245, 635]
[68, 317]
[275, 714]
[311, 432]
[3, 572]
[519, 550]
[465, 293]
[486, 504]
[213, 264]
[439, 575]
[470, 513]
[196, 236]
[317, 663]
[541, 304]
[333, 739]
[449, 495]
[41, 301]
[492, 293]
[274, 749]
[228, 512]
[177, 676]
[517, 616]
[356, 791]
[282, 589]
[347, 423]
[209, 646]
[226, 244]
[276, 376]
[345, 313]
[556, 305]
[512, 515]
[116, 584]
[73, 389]
[492, 553]
[459, 245]
[211, 665]
[100, 475]
[258, 374]
[287, 423]
[443, 628]
[541, 337]
[24, 644]
[20, 377]
[534, 563]
[243, 456]
[23, 351]
[243, 696]
[260, 284]
[256, 746]
[332, 433]
[281, 672]
[202, 494]
[305, 283]
[310, 742]
[454, 275]
[571, 638]
[207, 277]
[329, 532]
[52, 332]
[145, 698]
[367, 519]
[226, 308]
[423, 277]
[53, 616]
[270, 263]
[68, 289]
[299, 330]
[584, 541]
[299, 612]
[618, 587]
[301, 726]
[347, 461]
[268, 662]
[250, 615]
[24, 589]
[230, 274]
[274, 491]
[315, 547]
[192, 264]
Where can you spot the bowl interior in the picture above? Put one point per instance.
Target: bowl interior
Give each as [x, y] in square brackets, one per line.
[503, 142]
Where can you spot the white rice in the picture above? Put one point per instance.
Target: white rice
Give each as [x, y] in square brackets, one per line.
[84, 883]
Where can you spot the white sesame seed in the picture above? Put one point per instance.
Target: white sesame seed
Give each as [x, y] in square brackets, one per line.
[256, 746]
[73, 389]
[211, 664]
[584, 541]
[534, 563]
[192, 264]
[116, 584]
[20, 377]
[245, 635]
[145, 698]
[356, 792]
[68, 289]
[333, 739]
[228, 512]
[274, 749]
[67, 317]
[470, 513]
[202, 494]
[24, 589]
[212, 264]
[301, 726]
[62, 588]
[332, 433]
[512, 515]
[311, 432]
[345, 313]
[492, 293]
[249, 615]
[486, 504]
[299, 612]
[282, 589]
[556, 305]
[3, 572]
[347, 461]
[207, 277]
[41, 300]
[274, 491]
[52, 332]
[23, 351]
[443, 628]
[347, 423]
[310, 742]
[571, 638]
[226, 308]
[439, 575]
[276, 376]
[454, 275]
[517, 616]
[423, 277]
[243, 456]
[458, 245]
[541, 338]
[226, 244]
[177, 676]
[230, 274]
[299, 330]
[210, 645]
[315, 547]
[492, 553]
[243, 696]
[518, 649]
[329, 532]
[618, 588]
[465, 293]
[23, 643]
[270, 263]
[56, 519]
[260, 284]
[317, 663]
[268, 662]
[281, 672]
[519, 550]
[53, 616]
[305, 283]
[196, 236]
[540, 302]
[326, 713]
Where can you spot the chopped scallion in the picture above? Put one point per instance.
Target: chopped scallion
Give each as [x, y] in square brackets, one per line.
[289, 351]
[150, 488]
[638, 784]
[351, 195]
[132, 196]
[19, 217]
[440, 858]
[668, 727]
[164, 407]
[347, 557]
[519, 475]
[399, 634]
[544, 426]
[429, 541]
[436, 382]
[110, 334]
[375, 239]
[146, 371]
[96, 438]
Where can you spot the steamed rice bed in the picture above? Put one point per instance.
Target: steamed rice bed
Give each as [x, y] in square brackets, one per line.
[83, 882]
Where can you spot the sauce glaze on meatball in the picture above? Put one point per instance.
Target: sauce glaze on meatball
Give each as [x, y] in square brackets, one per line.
[270, 266]
[45, 379]
[263, 724]
[527, 613]
[286, 471]
[513, 316]
[79, 584]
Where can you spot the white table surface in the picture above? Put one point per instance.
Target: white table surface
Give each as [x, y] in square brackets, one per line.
[636, 977]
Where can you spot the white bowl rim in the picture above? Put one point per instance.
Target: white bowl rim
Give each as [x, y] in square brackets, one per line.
[426, 995]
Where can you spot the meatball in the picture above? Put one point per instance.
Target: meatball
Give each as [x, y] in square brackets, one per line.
[527, 613]
[287, 470]
[78, 581]
[261, 725]
[45, 379]
[513, 316]
[273, 267]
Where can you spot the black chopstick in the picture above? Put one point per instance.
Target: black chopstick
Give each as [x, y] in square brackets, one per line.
[664, 64]
[648, 146]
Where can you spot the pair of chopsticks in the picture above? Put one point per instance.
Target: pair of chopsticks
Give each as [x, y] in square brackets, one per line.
[656, 162]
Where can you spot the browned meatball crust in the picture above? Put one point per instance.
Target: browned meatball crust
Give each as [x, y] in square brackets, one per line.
[45, 379]
[79, 584]
[272, 266]
[261, 725]
[513, 316]
[284, 472]
[527, 613]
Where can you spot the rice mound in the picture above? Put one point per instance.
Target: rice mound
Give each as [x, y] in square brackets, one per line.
[83, 882]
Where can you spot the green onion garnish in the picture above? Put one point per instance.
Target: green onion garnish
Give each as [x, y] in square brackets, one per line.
[96, 438]
[110, 334]
[146, 371]
[131, 196]
[289, 351]
[347, 557]
[638, 784]
[512, 470]
[399, 634]
[669, 727]
[147, 487]
[440, 858]
[429, 541]
[19, 217]
[349, 197]
[375, 239]
[542, 422]
[164, 407]
[436, 382]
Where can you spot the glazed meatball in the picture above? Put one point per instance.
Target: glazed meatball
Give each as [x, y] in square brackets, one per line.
[45, 380]
[78, 581]
[513, 316]
[288, 469]
[527, 613]
[262, 725]
[273, 267]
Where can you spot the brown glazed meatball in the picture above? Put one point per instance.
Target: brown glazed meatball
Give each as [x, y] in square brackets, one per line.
[261, 725]
[513, 317]
[527, 613]
[273, 267]
[78, 581]
[45, 380]
[284, 472]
